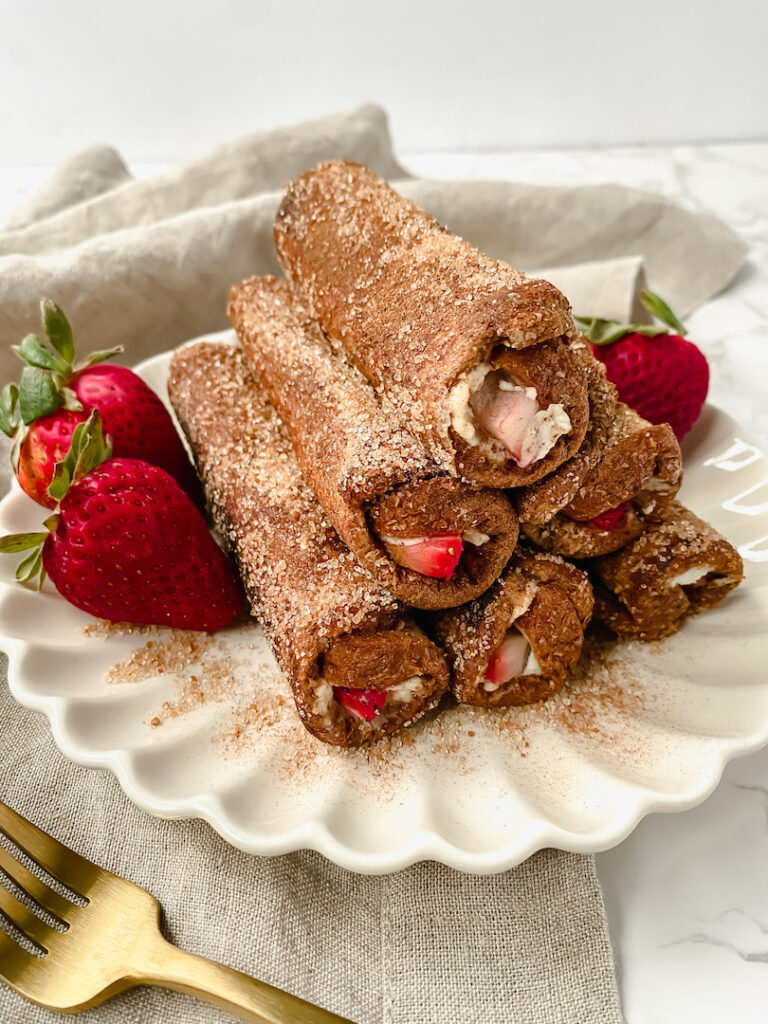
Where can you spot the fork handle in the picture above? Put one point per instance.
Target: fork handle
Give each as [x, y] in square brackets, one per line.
[228, 989]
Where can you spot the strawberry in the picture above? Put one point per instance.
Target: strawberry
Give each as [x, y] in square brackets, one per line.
[127, 544]
[46, 443]
[659, 374]
[436, 556]
[508, 660]
[54, 396]
[363, 703]
[609, 520]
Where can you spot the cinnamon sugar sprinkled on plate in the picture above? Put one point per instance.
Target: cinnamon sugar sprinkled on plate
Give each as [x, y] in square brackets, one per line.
[256, 721]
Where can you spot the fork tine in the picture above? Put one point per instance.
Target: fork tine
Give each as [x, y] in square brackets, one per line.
[33, 886]
[68, 867]
[33, 927]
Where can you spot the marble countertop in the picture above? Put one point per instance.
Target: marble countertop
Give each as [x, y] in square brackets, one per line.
[686, 894]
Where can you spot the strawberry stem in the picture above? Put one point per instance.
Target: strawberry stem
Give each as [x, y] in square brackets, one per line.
[58, 331]
[29, 571]
[658, 308]
[12, 543]
[33, 352]
[9, 398]
[100, 356]
[605, 332]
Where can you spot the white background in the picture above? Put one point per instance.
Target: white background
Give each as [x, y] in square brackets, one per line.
[165, 79]
[686, 894]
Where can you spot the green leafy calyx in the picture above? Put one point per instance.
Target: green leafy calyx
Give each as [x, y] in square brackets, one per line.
[29, 571]
[88, 449]
[49, 367]
[604, 332]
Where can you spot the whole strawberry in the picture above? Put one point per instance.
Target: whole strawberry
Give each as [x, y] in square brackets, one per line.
[54, 396]
[659, 374]
[127, 544]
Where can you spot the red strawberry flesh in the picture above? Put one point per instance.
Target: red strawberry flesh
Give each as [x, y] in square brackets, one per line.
[131, 547]
[664, 378]
[46, 443]
[509, 416]
[509, 658]
[137, 421]
[611, 519]
[436, 556]
[365, 704]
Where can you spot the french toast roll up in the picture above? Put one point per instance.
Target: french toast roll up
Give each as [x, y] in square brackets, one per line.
[626, 472]
[680, 565]
[432, 540]
[475, 356]
[357, 665]
[517, 642]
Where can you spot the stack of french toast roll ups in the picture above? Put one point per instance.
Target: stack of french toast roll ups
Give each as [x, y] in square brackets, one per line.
[425, 479]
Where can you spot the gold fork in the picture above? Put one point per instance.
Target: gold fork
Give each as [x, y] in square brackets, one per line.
[112, 942]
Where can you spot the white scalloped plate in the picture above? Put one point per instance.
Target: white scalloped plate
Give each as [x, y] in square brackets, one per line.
[650, 728]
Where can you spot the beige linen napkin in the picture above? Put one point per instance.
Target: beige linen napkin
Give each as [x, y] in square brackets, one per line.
[148, 263]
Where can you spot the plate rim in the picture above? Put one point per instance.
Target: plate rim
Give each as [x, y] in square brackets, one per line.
[426, 843]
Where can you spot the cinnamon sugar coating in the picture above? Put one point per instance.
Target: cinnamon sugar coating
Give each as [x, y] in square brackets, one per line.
[548, 600]
[303, 584]
[624, 458]
[370, 473]
[413, 306]
[635, 590]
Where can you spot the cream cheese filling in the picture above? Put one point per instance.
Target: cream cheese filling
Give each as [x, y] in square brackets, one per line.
[692, 575]
[401, 693]
[475, 537]
[541, 432]
[471, 536]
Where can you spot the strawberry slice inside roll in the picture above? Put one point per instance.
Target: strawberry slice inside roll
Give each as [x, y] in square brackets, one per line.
[517, 642]
[436, 556]
[610, 520]
[367, 682]
[366, 704]
[523, 413]
[513, 657]
[441, 530]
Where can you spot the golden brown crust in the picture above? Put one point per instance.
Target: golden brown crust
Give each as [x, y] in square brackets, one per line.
[566, 537]
[635, 592]
[359, 460]
[303, 584]
[643, 454]
[547, 600]
[383, 660]
[412, 305]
